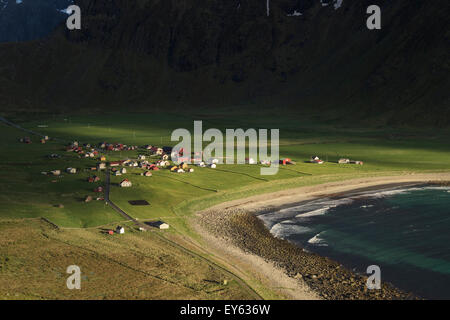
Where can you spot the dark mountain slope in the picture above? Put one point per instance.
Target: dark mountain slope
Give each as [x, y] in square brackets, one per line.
[152, 54]
[30, 19]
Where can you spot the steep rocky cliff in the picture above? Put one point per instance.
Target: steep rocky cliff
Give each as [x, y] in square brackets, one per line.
[307, 56]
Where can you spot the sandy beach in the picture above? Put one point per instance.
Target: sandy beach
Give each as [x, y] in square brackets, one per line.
[233, 233]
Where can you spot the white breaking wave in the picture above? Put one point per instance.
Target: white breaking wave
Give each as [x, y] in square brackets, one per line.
[281, 230]
[323, 209]
[387, 193]
[437, 188]
[317, 241]
[283, 223]
[313, 213]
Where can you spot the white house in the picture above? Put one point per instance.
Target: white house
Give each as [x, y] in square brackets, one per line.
[125, 183]
[71, 170]
[164, 226]
[161, 225]
[120, 230]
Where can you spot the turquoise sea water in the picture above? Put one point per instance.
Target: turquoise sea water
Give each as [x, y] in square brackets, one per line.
[403, 230]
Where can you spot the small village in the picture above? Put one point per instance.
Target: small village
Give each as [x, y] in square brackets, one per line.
[150, 159]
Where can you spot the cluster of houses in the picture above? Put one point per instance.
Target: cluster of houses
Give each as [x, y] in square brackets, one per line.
[212, 163]
[118, 172]
[181, 168]
[92, 152]
[53, 173]
[27, 140]
[158, 151]
[317, 160]
[348, 161]
[57, 172]
[116, 146]
[286, 161]
[93, 179]
[87, 150]
[98, 189]
[144, 164]
[157, 224]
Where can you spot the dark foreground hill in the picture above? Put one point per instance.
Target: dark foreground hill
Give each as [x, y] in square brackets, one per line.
[192, 54]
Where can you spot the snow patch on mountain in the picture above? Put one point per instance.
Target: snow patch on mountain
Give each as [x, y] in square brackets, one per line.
[336, 3]
[3, 4]
[294, 14]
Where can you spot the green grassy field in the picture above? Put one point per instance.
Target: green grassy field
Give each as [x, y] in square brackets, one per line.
[34, 258]
[26, 193]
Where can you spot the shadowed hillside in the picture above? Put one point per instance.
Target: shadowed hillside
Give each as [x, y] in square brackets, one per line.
[190, 54]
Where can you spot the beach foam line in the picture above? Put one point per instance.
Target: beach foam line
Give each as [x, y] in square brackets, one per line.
[317, 212]
[323, 207]
[387, 193]
[282, 223]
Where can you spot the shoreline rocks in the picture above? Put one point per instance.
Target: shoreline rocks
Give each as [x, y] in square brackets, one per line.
[323, 275]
